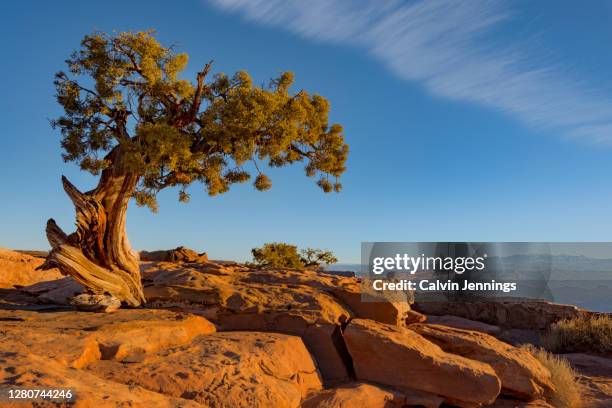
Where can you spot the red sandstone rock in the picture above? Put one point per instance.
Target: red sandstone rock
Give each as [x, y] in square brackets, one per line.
[17, 269]
[402, 358]
[356, 395]
[231, 369]
[520, 373]
[511, 313]
[180, 254]
[25, 370]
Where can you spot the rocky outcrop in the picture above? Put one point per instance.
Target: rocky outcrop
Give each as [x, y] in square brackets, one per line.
[77, 339]
[308, 304]
[521, 374]
[305, 303]
[179, 254]
[19, 269]
[511, 313]
[153, 356]
[231, 369]
[237, 289]
[133, 341]
[403, 359]
[223, 334]
[25, 370]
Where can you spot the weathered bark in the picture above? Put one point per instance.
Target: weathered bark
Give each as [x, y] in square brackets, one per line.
[98, 255]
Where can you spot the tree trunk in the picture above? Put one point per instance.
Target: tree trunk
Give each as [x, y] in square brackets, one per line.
[98, 255]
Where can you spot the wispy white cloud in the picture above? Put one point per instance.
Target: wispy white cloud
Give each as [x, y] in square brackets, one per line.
[447, 46]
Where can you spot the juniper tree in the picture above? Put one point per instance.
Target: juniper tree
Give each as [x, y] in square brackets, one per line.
[131, 118]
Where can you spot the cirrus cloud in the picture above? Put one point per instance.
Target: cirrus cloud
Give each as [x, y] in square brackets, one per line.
[445, 46]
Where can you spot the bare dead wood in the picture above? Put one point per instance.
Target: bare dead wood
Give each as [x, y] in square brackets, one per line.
[98, 255]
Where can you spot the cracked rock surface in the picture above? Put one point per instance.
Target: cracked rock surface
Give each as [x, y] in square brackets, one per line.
[220, 334]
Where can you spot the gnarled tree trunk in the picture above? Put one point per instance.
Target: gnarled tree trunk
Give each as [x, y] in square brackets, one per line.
[98, 255]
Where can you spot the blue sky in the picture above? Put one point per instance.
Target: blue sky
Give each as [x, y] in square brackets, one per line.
[474, 121]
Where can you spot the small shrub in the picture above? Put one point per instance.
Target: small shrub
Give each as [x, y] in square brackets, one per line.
[277, 254]
[567, 388]
[583, 334]
[282, 255]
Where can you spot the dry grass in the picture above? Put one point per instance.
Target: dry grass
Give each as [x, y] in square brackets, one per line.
[567, 388]
[585, 334]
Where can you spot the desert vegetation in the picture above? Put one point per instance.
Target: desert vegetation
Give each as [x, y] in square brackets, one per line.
[130, 118]
[588, 334]
[283, 255]
[567, 390]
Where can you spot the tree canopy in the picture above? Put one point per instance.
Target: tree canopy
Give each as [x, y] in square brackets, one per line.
[127, 106]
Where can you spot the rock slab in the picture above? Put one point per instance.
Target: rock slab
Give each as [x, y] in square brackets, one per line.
[521, 374]
[404, 359]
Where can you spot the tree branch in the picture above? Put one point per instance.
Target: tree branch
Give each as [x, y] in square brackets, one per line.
[190, 115]
[302, 153]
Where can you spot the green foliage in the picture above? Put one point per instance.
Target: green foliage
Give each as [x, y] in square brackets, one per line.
[282, 255]
[127, 107]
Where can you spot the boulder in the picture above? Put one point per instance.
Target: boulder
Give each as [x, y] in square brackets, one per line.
[19, 269]
[371, 306]
[229, 369]
[521, 374]
[404, 359]
[179, 254]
